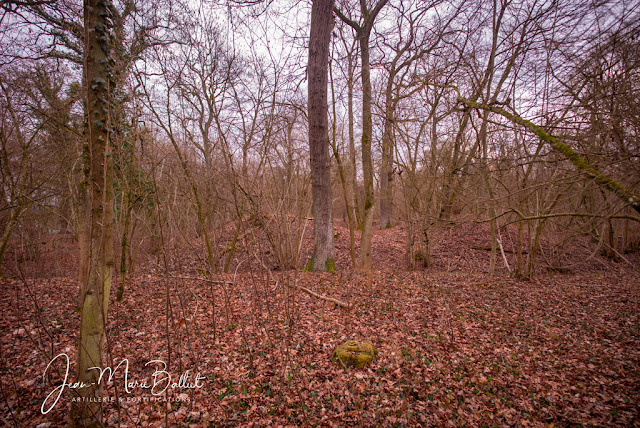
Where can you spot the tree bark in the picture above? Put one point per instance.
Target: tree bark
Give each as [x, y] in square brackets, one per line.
[367, 165]
[320, 37]
[84, 222]
[386, 169]
[353, 171]
[124, 245]
[87, 410]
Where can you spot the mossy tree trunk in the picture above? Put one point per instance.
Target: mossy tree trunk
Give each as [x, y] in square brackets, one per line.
[367, 164]
[126, 209]
[386, 167]
[353, 172]
[627, 196]
[83, 221]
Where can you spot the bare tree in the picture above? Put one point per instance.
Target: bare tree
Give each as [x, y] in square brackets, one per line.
[350, 48]
[407, 43]
[363, 33]
[17, 138]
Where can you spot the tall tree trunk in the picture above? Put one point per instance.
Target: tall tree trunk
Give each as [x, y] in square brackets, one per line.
[343, 176]
[486, 174]
[320, 37]
[124, 245]
[386, 169]
[87, 410]
[363, 32]
[353, 171]
[84, 222]
[367, 165]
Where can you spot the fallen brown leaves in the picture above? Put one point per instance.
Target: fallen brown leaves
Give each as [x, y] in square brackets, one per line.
[458, 348]
[455, 348]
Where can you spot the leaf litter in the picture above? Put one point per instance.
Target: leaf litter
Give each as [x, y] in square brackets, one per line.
[457, 347]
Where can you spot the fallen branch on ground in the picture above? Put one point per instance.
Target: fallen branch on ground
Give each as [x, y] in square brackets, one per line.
[195, 278]
[488, 248]
[306, 290]
[320, 296]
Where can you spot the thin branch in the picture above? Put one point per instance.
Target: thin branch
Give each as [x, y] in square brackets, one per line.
[196, 278]
[319, 296]
[626, 195]
[344, 18]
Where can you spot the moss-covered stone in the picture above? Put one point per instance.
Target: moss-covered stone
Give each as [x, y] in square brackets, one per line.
[354, 353]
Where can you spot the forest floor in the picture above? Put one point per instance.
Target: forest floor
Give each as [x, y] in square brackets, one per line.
[455, 345]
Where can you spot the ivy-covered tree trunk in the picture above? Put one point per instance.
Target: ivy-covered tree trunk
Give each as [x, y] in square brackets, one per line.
[321, 25]
[86, 411]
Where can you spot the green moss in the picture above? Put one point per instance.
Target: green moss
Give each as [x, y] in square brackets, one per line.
[309, 266]
[120, 292]
[354, 353]
[330, 265]
[618, 189]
